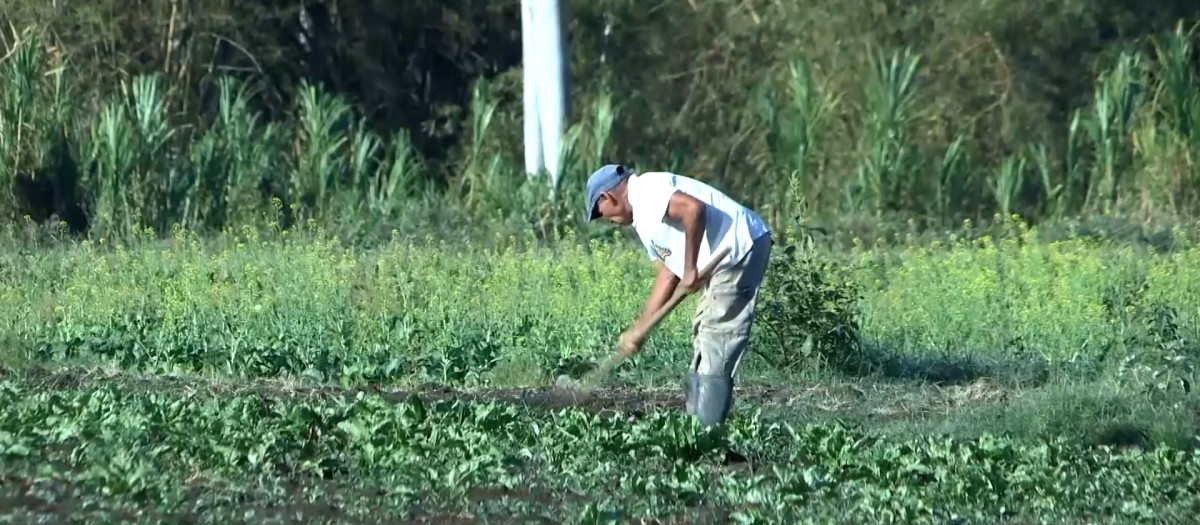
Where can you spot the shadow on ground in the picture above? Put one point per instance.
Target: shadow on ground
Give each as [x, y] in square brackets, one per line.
[881, 361]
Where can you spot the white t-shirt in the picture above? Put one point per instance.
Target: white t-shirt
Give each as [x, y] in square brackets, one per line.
[727, 222]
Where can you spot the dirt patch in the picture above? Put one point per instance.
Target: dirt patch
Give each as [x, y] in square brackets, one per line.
[981, 392]
[884, 400]
[540, 398]
[630, 401]
[881, 401]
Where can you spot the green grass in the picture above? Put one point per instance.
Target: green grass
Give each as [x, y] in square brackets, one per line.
[295, 302]
[997, 377]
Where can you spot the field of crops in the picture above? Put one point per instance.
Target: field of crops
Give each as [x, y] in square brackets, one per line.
[283, 377]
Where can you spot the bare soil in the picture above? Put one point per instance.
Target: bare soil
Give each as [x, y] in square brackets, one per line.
[875, 400]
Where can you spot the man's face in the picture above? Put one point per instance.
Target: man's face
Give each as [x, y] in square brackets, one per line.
[612, 207]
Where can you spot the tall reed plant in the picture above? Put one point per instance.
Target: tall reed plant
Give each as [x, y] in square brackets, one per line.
[794, 123]
[132, 162]
[889, 160]
[37, 114]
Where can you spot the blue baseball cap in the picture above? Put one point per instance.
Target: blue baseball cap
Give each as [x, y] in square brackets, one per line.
[604, 179]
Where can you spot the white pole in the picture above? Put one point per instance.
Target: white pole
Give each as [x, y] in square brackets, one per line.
[545, 91]
[529, 57]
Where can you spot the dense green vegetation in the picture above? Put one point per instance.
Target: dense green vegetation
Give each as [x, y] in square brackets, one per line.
[278, 263]
[869, 110]
[269, 372]
[299, 303]
[266, 458]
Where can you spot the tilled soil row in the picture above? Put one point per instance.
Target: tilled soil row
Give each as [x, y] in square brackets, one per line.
[600, 400]
[878, 400]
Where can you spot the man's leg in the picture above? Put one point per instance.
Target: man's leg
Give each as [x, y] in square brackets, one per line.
[720, 332]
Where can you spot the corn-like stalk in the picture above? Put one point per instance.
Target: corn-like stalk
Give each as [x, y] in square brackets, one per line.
[580, 149]
[230, 159]
[320, 163]
[792, 131]
[1178, 91]
[950, 172]
[160, 188]
[134, 172]
[483, 109]
[209, 166]
[887, 164]
[810, 107]
[1075, 163]
[568, 156]
[603, 114]
[395, 178]
[254, 149]
[36, 117]
[1178, 84]
[769, 110]
[17, 101]
[1006, 185]
[365, 147]
[1052, 192]
[1118, 98]
[113, 165]
[364, 161]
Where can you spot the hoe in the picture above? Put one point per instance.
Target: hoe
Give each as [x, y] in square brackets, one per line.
[583, 388]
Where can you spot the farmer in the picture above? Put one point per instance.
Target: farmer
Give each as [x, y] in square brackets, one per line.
[682, 222]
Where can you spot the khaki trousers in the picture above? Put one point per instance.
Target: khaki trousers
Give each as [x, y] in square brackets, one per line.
[725, 313]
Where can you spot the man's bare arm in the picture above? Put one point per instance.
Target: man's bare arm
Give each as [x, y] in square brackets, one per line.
[689, 212]
[664, 285]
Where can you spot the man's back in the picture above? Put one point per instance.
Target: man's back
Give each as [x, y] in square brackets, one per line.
[727, 222]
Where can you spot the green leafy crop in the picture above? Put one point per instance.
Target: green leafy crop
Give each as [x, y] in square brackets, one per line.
[115, 448]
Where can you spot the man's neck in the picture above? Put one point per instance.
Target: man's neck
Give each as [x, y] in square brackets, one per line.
[623, 191]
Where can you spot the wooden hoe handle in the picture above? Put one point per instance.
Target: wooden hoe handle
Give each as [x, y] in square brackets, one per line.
[644, 328]
[679, 295]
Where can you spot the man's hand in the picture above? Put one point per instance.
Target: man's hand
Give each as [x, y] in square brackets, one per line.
[630, 343]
